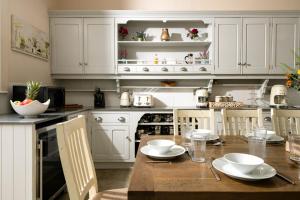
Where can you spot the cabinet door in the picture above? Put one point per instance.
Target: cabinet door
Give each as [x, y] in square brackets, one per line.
[285, 41]
[67, 45]
[256, 45]
[99, 45]
[228, 40]
[110, 143]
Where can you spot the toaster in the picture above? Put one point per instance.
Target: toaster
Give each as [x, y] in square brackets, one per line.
[143, 100]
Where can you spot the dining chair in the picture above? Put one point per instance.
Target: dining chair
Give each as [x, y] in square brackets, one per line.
[241, 122]
[285, 121]
[77, 163]
[195, 119]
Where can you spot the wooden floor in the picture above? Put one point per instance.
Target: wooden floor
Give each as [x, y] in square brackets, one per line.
[109, 179]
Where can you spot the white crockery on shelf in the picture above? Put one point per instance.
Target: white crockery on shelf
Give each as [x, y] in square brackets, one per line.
[32, 109]
[244, 163]
[161, 146]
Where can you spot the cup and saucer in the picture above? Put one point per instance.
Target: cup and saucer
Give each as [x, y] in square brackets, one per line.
[162, 149]
[244, 167]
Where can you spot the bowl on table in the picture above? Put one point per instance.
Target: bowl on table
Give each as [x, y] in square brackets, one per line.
[160, 145]
[32, 109]
[244, 163]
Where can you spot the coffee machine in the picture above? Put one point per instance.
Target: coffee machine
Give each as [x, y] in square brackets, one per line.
[278, 97]
[201, 98]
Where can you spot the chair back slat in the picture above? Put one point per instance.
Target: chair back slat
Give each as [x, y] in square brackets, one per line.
[240, 122]
[76, 159]
[285, 121]
[194, 119]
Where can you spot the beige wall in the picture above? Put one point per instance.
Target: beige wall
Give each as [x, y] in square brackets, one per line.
[176, 4]
[18, 67]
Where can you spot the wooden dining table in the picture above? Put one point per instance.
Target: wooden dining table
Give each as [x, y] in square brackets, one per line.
[187, 180]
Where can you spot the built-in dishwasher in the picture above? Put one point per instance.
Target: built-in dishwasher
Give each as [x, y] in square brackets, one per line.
[50, 177]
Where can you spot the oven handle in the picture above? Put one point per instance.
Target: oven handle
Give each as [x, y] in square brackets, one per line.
[41, 169]
[46, 129]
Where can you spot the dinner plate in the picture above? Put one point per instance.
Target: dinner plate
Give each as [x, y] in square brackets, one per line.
[273, 139]
[265, 171]
[175, 151]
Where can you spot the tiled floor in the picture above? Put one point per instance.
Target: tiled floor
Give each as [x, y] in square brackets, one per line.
[109, 179]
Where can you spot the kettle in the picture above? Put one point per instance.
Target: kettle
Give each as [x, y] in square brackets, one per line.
[99, 98]
[125, 99]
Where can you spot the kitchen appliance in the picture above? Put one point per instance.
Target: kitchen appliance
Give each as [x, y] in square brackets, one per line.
[278, 97]
[201, 97]
[55, 94]
[50, 177]
[125, 99]
[143, 100]
[99, 99]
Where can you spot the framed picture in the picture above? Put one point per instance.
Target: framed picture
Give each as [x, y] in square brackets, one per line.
[28, 39]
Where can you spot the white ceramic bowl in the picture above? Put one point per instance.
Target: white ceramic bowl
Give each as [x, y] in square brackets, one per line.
[32, 109]
[161, 146]
[270, 134]
[244, 163]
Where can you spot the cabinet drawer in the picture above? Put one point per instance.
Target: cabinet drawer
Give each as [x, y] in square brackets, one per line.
[116, 118]
[184, 69]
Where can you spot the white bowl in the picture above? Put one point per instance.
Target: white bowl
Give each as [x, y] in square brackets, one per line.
[244, 163]
[270, 134]
[161, 146]
[32, 109]
[201, 133]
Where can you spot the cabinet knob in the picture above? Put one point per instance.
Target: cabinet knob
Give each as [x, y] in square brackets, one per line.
[121, 119]
[239, 63]
[164, 69]
[203, 69]
[85, 63]
[98, 119]
[146, 69]
[183, 69]
[267, 119]
[128, 138]
[248, 65]
[127, 69]
[80, 63]
[244, 64]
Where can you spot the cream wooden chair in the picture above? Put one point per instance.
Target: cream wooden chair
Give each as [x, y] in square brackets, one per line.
[196, 119]
[240, 122]
[78, 165]
[285, 121]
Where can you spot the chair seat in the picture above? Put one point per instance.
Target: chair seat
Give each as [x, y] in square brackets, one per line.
[115, 194]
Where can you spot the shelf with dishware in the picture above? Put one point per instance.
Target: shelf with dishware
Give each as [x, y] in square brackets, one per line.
[157, 47]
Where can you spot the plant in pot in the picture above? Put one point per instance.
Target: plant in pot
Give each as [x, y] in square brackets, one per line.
[292, 74]
[30, 107]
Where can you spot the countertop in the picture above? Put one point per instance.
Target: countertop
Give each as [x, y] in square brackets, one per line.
[17, 119]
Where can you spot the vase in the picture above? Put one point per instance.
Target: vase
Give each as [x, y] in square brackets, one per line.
[165, 36]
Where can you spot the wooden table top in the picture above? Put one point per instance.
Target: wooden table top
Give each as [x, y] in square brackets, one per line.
[184, 179]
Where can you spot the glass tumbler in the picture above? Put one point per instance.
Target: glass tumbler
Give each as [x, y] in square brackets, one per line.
[257, 142]
[198, 147]
[294, 145]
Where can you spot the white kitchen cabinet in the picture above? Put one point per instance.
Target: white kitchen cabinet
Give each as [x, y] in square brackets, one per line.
[99, 45]
[82, 45]
[111, 138]
[67, 45]
[285, 41]
[256, 45]
[110, 143]
[228, 42]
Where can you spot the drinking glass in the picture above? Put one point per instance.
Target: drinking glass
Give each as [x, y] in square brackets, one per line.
[198, 146]
[257, 142]
[186, 135]
[294, 145]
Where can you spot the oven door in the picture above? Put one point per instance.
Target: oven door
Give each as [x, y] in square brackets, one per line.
[51, 177]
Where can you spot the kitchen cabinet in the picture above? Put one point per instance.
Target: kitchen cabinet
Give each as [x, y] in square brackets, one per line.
[67, 45]
[82, 45]
[285, 41]
[242, 45]
[228, 42]
[256, 45]
[111, 138]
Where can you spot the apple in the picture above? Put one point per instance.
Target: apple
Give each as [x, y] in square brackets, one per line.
[25, 102]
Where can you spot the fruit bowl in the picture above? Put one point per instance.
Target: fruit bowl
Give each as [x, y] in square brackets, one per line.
[32, 109]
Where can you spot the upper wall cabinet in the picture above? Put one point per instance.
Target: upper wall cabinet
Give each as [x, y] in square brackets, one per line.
[285, 42]
[228, 43]
[82, 45]
[256, 46]
[67, 46]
